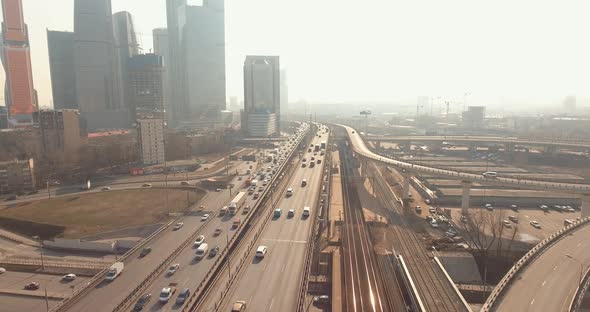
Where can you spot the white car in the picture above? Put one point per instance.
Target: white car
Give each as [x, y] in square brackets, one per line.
[166, 294]
[106, 188]
[205, 217]
[178, 225]
[291, 213]
[173, 268]
[536, 224]
[2, 270]
[69, 277]
[199, 241]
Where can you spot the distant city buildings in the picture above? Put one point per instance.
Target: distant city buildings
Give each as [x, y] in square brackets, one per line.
[19, 94]
[162, 48]
[146, 86]
[261, 115]
[60, 135]
[151, 141]
[17, 176]
[196, 37]
[284, 93]
[474, 117]
[569, 105]
[62, 67]
[99, 81]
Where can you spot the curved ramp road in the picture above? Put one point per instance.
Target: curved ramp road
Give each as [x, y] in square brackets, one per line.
[359, 147]
[482, 139]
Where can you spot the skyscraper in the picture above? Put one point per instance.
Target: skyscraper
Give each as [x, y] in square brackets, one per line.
[62, 67]
[98, 73]
[162, 48]
[261, 116]
[20, 95]
[284, 92]
[126, 46]
[145, 81]
[197, 52]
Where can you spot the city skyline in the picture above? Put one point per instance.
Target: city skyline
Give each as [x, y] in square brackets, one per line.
[547, 61]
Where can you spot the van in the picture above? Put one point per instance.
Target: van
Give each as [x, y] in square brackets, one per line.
[261, 251]
[306, 211]
[184, 294]
[490, 174]
[202, 251]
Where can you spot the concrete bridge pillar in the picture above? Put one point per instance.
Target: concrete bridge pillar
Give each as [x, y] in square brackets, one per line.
[465, 197]
[406, 186]
[585, 205]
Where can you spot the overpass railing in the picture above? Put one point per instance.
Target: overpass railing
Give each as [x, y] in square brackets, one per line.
[501, 287]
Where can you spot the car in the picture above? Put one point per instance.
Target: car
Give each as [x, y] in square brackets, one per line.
[173, 268]
[567, 222]
[142, 302]
[303, 182]
[146, 185]
[289, 192]
[489, 207]
[427, 201]
[184, 294]
[277, 213]
[303, 165]
[431, 209]
[166, 294]
[184, 183]
[513, 219]
[145, 252]
[536, 224]
[217, 231]
[177, 226]
[106, 188]
[570, 209]
[239, 306]
[218, 190]
[507, 224]
[201, 239]
[544, 207]
[514, 207]
[69, 277]
[434, 224]
[205, 217]
[324, 299]
[239, 178]
[213, 251]
[2, 270]
[12, 197]
[32, 286]
[291, 213]
[256, 195]
[490, 174]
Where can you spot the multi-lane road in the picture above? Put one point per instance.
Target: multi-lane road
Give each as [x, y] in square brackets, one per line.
[272, 283]
[550, 281]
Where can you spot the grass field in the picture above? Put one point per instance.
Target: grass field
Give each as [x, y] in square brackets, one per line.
[81, 215]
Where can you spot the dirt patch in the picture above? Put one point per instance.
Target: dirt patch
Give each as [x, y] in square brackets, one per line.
[77, 216]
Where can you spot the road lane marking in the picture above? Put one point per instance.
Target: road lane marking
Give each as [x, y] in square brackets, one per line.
[532, 301]
[544, 282]
[271, 302]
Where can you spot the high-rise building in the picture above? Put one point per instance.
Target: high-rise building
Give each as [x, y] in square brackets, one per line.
[59, 132]
[151, 141]
[284, 92]
[474, 117]
[63, 70]
[197, 60]
[569, 104]
[261, 116]
[97, 67]
[126, 45]
[162, 48]
[145, 81]
[19, 95]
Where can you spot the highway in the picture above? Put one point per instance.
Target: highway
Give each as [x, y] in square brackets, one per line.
[482, 139]
[359, 147]
[362, 282]
[272, 283]
[549, 282]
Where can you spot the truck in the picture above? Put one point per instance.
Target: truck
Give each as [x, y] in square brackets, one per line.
[114, 271]
[237, 203]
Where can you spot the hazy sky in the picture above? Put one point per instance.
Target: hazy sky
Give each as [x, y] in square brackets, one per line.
[340, 50]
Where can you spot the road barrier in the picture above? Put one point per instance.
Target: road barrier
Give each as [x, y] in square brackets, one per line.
[212, 276]
[79, 293]
[580, 293]
[409, 281]
[500, 288]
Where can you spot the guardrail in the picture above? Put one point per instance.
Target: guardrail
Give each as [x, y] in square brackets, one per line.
[98, 278]
[211, 277]
[314, 228]
[580, 293]
[500, 288]
[163, 265]
[501, 140]
[409, 281]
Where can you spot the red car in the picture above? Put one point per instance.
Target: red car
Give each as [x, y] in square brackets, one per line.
[32, 286]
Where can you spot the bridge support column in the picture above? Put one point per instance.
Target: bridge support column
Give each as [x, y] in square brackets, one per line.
[465, 197]
[585, 205]
[406, 186]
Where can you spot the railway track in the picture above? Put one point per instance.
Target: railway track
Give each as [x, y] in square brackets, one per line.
[432, 286]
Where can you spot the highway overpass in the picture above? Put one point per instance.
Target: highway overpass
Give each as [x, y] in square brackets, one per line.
[512, 141]
[359, 146]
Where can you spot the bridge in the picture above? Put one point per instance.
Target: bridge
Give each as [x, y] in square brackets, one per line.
[359, 146]
[509, 141]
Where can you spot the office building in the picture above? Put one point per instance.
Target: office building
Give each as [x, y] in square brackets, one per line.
[62, 67]
[17, 176]
[97, 67]
[146, 86]
[284, 93]
[19, 94]
[196, 37]
[474, 117]
[60, 136]
[151, 141]
[569, 105]
[261, 115]
[162, 48]
[126, 46]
